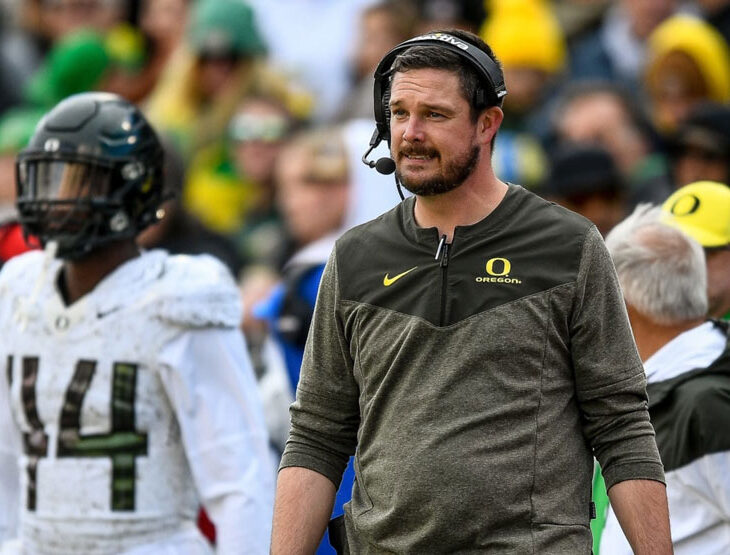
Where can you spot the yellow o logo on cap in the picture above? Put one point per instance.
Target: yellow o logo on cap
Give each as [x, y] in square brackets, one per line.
[685, 205]
[506, 267]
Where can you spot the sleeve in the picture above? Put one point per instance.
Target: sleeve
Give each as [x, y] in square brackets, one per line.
[210, 383]
[10, 449]
[609, 375]
[326, 415]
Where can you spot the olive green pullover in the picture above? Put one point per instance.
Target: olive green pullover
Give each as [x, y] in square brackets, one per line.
[473, 384]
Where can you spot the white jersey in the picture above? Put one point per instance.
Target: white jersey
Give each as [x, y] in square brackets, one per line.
[130, 405]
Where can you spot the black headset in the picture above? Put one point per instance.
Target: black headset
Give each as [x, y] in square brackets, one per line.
[485, 66]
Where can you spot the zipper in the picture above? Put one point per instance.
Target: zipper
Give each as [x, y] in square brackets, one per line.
[442, 253]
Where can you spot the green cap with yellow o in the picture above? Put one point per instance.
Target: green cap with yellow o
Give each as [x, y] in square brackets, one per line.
[702, 211]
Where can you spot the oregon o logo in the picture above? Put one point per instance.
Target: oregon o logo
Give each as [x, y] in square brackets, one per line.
[503, 266]
[685, 205]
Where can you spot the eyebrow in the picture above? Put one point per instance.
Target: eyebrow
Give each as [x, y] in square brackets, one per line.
[429, 106]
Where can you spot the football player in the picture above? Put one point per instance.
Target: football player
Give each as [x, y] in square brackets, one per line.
[128, 395]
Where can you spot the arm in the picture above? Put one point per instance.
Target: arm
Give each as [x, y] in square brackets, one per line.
[641, 510]
[304, 501]
[210, 384]
[325, 419]
[609, 376]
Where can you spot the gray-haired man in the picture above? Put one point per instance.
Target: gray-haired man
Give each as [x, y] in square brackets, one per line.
[687, 361]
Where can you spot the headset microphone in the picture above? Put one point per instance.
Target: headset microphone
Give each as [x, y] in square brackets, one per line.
[386, 166]
[383, 165]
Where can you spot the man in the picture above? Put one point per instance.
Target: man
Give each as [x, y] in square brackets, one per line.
[687, 363]
[702, 211]
[470, 347]
[130, 390]
[606, 115]
[585, 179]
[701, 149]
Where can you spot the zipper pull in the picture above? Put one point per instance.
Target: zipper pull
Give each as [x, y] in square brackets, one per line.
[442, 242]
[445, 256]
[442, 252]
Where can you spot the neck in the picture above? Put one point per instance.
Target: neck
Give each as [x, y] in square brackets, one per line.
[468, 204]
[650, 336]
[82, 275]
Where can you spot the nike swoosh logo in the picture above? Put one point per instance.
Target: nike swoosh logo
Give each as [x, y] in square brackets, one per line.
[100, 314]
[388, 281]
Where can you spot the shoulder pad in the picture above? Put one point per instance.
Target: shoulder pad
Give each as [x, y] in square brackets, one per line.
[23, 266]
[197, 291]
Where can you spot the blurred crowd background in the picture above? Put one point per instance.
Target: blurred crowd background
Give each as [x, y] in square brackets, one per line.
[610, 103]
[265, 107]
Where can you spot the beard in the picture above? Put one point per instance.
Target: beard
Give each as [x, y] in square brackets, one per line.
[452, 176]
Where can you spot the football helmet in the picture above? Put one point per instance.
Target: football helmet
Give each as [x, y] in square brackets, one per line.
[91, 174]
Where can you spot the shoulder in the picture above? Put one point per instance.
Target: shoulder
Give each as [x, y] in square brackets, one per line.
[23, 265]
[552, 237]
[31, 273]
[546, 217]
[195, 291]
[383, 226]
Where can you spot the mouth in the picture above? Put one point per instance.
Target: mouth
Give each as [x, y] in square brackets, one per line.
[419, 156]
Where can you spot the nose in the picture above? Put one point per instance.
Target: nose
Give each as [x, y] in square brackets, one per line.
[413, 131]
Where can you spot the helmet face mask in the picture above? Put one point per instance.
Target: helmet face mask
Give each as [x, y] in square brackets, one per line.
[93, 179]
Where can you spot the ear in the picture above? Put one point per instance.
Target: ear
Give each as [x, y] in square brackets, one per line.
[488, 124]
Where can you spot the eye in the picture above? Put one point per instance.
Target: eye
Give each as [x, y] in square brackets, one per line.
[398, 113]
[435, 115]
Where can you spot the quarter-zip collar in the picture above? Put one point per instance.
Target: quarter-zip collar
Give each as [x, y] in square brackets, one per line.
[493, 221]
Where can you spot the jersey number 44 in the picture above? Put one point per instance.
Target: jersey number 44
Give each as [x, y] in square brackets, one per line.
[122, 444]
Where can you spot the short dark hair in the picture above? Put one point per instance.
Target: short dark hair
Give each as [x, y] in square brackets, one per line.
[434, 57]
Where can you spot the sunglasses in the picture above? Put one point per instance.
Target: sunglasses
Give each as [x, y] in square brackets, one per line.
[249, 127]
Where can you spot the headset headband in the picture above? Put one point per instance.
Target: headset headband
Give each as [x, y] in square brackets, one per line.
[485, 66]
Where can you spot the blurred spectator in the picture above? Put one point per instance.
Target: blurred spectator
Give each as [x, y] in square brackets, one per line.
[18, 59]
[312, 189]
[145, 51]
[688, 62]
[78, 62]
[59, 18]
[585, 179]
[230, 183]
[604, 114]
[687, 364]
[179, 232]
[449, 14]
[701, 149]
[323, 189]
[220, 65]
[616, 50]
[519, 158]
[717, 14]
[578, 16]
[311, 43]
[702, 211]
[527, 39]
[381, 27]
[163, 22]
[257, 134]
